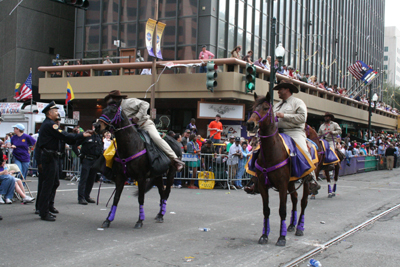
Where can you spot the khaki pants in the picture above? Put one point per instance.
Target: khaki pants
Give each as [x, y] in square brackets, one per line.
[299, 136]
[151, 129]
[389, 162]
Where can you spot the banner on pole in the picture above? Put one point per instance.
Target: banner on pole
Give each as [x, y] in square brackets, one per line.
[150, 26]
[160, 30]
[40, 106]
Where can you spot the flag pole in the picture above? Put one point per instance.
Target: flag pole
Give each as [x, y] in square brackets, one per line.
[32, 94]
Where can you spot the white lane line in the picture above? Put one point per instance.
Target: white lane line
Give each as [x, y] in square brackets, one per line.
[76, 189]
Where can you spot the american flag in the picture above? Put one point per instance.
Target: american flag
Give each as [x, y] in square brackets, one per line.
[362, 72]
[26, 90]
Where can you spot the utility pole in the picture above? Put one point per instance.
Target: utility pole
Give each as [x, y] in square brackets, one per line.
[272, 54]
[154, 69]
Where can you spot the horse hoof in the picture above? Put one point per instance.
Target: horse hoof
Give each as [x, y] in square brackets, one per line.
[138, 225]
[263, 240]
[159, 219]
[299, 232]
[291, 228]
[330, 195]
[312, 197]
[333, 194]
[281, 242]
[106, 224]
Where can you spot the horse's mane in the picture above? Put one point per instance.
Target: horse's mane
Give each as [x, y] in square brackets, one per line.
[259, 101]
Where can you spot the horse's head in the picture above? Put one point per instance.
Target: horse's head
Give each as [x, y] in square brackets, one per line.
[262, 112]
[111, 117]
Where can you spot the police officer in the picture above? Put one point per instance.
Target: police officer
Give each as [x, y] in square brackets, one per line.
[91, 150]
[49, 138]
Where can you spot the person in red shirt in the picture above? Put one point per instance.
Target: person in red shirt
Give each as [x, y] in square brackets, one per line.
[215, 128]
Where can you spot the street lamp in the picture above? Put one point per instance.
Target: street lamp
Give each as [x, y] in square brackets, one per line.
[371, 99]
[278, 53]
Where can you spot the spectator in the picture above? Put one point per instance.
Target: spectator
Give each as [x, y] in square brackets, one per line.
[285, 70]
[233, 158]
[192, 126]
[185, 139]
[259, 63]
[305, 78]
[193, 148]
[390, 157]
[107, 140]
[231, 141]
[363, 152]
[247, 58]
[297, 75]
[268, 63]
[381, 149]
[242, 163]
[215, 128]
[20, 144]
[313, 81]
[235, 53]
[7, 186]
[199, 140]
[147, 72]
[208, 153]
[291, 73]
[107, 61]
[178, 182]
[205, 55]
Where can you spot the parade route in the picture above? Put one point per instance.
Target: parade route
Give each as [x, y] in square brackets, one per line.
[235, 220]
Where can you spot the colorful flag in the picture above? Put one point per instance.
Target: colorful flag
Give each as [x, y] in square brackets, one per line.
[362, 72]
[26, 91]
[70, 94]
[17, 85]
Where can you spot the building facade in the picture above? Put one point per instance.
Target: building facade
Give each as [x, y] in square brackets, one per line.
[391, 59]
[321, 38]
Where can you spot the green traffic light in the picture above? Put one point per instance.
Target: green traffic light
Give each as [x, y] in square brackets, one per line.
[211, 76]
[250, 78]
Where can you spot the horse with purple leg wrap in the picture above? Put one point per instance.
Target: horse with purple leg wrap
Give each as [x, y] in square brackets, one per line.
[131, 161]
[273, 171]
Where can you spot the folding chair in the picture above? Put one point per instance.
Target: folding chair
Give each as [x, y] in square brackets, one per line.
[14, 167]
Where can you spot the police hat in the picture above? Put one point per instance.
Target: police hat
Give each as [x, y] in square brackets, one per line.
[49, 106]
[287, 84]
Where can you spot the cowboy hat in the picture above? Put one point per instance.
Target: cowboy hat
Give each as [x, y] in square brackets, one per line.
[116, 94]
[328, 114]
[287, 85]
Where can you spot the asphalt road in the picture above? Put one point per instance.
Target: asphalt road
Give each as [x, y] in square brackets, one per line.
[234, 217]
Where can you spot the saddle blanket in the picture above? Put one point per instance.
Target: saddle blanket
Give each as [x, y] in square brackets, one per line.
[330, 155]
[300, 164]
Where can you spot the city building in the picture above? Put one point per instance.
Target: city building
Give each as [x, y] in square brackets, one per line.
[391, 58]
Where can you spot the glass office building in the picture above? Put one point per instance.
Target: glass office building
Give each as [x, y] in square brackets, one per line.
[321, 37]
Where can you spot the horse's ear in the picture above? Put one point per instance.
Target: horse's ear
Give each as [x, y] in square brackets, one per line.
[255, 96]
[268, 97]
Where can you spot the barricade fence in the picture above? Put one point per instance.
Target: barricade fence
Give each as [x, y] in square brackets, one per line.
[225, 171]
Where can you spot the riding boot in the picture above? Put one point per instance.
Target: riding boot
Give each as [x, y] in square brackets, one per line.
[178, 164]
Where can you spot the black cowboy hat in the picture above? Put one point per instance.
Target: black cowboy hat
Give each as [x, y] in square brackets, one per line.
[328, 114]
[287, 85]
[116, 94]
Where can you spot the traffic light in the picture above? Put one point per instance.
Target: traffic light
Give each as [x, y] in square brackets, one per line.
[250, 78]
[82, 4]
[211, 76]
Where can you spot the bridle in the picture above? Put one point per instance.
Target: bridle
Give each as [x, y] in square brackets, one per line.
[268, 114]
[117, 119]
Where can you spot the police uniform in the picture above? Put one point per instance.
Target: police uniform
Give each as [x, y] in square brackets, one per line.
[91, 150]
[49, 138]
[330, 130]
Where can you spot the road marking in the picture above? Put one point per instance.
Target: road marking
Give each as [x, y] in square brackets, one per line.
[76, 189]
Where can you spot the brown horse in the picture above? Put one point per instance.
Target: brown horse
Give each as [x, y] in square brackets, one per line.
[273, 170]
[313, 136]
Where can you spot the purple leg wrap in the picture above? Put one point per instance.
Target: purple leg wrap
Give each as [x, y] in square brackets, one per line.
[266, 225]
[301, 223]
[283, 228]
[111, 215]
[293, 219]
[334, 188]
[163, 207]
[141, 213]
[329, 189]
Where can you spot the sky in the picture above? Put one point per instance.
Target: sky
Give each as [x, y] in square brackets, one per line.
[392, 13]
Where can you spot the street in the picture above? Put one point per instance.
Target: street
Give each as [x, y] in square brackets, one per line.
[235, 222]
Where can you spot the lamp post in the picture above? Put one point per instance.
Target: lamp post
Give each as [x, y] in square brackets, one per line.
[371, 99]
[279, 52]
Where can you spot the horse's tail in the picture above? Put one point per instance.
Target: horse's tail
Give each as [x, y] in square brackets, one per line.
[149, 186]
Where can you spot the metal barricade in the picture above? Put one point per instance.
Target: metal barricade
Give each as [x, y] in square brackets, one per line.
[227, 172]
[71, 165]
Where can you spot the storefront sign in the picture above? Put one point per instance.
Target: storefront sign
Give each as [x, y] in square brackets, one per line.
[229, 130]
[41, 106]
[69, 121]
[227, 111]
[10, 108]
[76, 115]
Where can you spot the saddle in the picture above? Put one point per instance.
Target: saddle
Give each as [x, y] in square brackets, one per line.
[159, 162]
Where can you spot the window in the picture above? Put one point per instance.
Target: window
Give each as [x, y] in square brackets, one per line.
[386, 49]
[385, 58]
[385, 67]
